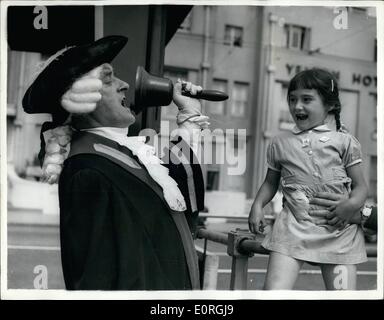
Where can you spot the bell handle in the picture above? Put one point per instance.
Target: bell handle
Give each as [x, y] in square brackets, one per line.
[210, 95]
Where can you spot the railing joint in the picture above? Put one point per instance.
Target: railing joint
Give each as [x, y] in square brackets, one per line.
[235, 237]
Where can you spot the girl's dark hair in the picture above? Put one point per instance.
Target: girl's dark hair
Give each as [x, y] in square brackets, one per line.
[325, 84]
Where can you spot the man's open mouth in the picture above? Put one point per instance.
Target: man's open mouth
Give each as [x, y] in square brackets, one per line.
[125, 105]
[301, 116]
[123, 102]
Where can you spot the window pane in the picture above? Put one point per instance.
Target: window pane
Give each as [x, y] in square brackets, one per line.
[233, 36]
[286, 29]
[227, 35]
[239, 99]
[295, 39]
[238, 37]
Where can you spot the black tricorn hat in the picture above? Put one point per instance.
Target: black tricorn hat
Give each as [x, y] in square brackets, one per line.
[44, 94]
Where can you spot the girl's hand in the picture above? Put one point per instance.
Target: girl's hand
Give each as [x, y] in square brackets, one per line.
[256, 220]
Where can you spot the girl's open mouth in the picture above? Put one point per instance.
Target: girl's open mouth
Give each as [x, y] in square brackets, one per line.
[301, 116]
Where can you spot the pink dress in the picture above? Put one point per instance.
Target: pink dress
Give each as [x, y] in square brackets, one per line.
[312, 161]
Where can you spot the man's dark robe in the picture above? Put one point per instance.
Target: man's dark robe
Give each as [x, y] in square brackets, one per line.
[117, 231]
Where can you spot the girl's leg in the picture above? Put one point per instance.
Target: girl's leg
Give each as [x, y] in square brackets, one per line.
[282, 272]
[339, 277]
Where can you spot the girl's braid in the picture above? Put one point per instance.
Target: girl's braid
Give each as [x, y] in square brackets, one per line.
[336, 112]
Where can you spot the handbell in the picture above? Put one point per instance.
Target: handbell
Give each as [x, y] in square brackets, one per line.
[154, 91]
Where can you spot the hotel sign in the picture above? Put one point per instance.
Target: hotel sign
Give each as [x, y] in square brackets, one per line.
[355, 78]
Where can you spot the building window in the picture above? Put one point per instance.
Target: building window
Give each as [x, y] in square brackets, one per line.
[187, 23]
[218, 107]
[213, 176]
[233, 36]
[297, 37]
[239, 99]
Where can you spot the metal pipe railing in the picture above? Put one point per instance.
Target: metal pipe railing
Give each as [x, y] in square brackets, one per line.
[214, 236]
[241, 245]
[253, 246]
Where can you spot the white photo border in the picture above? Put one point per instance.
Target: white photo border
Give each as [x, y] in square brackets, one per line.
[33, 294]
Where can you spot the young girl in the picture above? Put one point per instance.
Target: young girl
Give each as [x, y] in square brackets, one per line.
[312, 158]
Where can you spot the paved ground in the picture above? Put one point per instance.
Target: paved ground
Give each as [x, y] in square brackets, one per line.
[33, 247]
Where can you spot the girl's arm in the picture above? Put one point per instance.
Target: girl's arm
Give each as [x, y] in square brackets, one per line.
[345, 209]
[265, 194]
